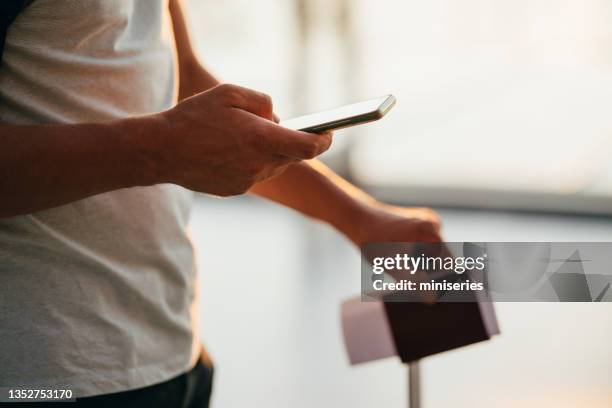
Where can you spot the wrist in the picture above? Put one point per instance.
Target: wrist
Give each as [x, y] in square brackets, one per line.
[143, 141]
[358, 220]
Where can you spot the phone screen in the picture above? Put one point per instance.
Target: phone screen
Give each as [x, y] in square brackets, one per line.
[344, 116]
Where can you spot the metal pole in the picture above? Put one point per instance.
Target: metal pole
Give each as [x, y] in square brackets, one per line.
[414, 385]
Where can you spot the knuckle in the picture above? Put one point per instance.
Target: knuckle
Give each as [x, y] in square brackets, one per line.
[222, 88]
[228, 91]
[266, 101]
[226, 88]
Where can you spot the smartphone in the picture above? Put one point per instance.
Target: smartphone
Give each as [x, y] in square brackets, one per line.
[342, 117]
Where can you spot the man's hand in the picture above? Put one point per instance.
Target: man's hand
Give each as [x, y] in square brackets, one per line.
[224, 140]
[386, 223]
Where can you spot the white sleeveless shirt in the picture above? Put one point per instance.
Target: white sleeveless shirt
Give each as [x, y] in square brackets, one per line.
[96, 295]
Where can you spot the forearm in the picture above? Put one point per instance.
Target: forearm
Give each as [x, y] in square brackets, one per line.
[43, 166]
[316, 191]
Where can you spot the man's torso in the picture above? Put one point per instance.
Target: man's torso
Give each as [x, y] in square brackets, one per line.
[96, 294]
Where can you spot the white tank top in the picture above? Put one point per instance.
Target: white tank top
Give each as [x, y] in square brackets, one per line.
[96, 295]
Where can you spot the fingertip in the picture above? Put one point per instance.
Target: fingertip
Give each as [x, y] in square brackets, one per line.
[326, 139]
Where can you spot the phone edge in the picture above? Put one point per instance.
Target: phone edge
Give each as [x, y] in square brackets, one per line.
[373, 116]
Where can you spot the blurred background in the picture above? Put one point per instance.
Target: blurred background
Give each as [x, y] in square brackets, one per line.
[503, 123]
